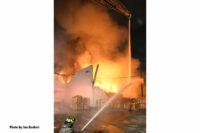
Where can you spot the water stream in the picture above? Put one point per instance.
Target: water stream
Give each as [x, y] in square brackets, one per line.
[106, 104]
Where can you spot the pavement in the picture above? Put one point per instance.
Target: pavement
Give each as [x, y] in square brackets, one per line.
[109, 121]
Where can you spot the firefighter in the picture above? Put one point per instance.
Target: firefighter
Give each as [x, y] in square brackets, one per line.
[67, 126]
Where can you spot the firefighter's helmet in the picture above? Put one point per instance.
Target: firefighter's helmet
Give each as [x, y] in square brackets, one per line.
[69, 121]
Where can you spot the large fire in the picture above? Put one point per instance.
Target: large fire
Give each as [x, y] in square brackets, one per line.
[112, 76]
[90, 36]
[64, 78]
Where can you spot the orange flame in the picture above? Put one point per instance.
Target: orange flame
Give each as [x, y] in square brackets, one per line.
[98, 41]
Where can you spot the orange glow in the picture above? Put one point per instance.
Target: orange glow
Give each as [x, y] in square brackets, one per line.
[96, 39]
[108, 77]
[64, 78]
[111, 75]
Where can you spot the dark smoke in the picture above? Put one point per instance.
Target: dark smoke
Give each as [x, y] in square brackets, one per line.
[83, 28]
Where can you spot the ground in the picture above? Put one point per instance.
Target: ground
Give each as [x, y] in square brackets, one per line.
[109, 121]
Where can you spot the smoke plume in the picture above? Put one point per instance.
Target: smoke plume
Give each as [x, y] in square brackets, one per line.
[86, 34]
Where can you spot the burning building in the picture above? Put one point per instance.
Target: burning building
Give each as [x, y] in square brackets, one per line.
[81, 85]
[82, 92]
[85, 34]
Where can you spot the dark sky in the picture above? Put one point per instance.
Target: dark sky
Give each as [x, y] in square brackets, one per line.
[138, 28]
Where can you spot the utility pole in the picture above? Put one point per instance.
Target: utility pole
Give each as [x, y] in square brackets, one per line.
[129, 48]
[142, 83]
